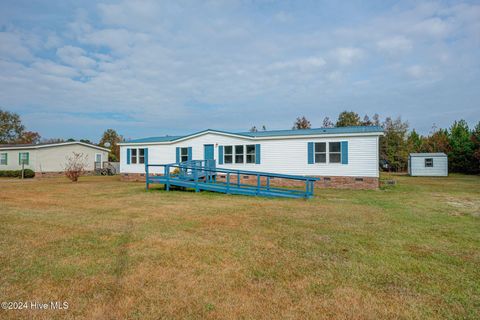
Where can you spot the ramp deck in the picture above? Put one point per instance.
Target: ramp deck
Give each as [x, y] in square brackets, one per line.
[204, 175]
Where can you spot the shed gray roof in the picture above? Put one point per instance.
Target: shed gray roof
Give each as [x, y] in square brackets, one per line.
[426, 154]
[47, 145]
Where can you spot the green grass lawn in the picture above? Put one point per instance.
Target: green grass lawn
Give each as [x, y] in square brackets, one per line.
[114, 251]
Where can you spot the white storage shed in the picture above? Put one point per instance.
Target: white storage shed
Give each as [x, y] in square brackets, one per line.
[428, 164]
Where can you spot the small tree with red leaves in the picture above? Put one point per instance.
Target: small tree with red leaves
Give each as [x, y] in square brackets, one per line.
[75, 166]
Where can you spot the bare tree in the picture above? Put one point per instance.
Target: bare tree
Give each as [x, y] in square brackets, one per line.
[327, 123]
[301, 123]
[75, 166]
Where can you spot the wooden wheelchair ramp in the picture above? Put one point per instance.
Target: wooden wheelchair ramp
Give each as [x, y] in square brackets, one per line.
[204, 175]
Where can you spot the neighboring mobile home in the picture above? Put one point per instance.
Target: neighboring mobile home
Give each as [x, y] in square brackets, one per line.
[342, 157]
[428, 164]
[48, 159]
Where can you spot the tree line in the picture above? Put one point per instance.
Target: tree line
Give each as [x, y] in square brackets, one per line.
[459, 142]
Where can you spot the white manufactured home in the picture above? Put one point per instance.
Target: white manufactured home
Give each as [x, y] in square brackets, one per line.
[48, 159]
[428, 164]
[341, 157]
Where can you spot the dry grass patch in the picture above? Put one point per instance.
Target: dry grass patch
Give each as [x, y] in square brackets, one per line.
[114, 251]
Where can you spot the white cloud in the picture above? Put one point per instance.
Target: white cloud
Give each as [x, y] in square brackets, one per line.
[119, 40]
[304, 64]
[49, 67]
[142, 14]
[152, 58]
[395, 44]
[12, 46]
[75, 57]
[434, 27]
[423, 74]
[416, 71]
[348, 55]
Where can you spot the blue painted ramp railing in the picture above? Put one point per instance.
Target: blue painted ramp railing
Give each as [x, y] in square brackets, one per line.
[204, 175]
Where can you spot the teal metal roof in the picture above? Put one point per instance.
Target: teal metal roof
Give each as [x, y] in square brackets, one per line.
[156, 139]
[301, 132]
[271, 133]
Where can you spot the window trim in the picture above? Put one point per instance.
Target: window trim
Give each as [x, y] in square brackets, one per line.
[339, 152]
[327, 153]
[244, 154]
[183, 155]
[430, 160]
[132, 156]
[22, 161]
[140, 156]
[4, 156]
[253, 155]
[225, 154]
[315, 153]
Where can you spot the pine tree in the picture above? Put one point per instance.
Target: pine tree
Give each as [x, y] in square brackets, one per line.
[462, 147]
[347, 119]
[415, 142]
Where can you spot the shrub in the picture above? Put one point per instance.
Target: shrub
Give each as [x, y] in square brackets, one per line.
[17, 173]
[27, 173]
[75, 166]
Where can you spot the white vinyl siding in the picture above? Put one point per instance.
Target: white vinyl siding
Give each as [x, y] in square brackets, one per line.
[51, 158]
[287, 156]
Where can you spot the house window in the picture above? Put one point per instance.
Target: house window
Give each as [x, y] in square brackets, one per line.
[320, 152]
[184, 154]
[23, 158]
[428, 162]
[228, 154]
[250, 153]
[3, 159]
[134, 156]
[334, 153]
[239, 154]
[141, 155]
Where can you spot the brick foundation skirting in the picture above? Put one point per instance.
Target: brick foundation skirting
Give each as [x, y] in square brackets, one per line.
[325, 182]
[139, 177]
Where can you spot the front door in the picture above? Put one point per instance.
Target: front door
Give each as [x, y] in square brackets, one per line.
[98, 161]
[208, 153]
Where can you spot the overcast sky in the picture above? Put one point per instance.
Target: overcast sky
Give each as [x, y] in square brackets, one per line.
[149, 68]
